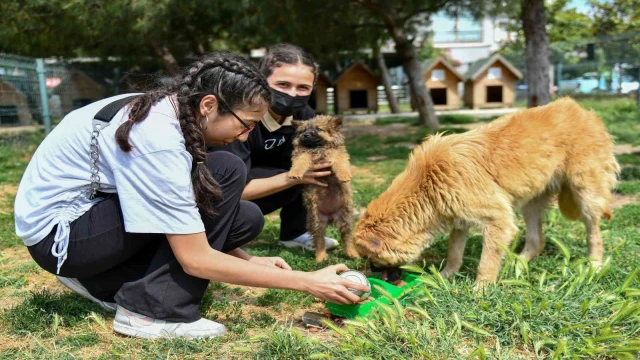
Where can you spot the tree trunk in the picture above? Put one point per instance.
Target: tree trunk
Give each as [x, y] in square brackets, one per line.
[386, 81]
[407, 52]
[537, 52]
[411, 65]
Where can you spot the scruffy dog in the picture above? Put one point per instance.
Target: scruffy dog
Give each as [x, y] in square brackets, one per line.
[319, 141]
[480, 177]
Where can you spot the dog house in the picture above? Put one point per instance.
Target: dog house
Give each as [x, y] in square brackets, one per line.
[14, 106]
[356, 89]
[442, 81]
[491, 82]
[318, 100]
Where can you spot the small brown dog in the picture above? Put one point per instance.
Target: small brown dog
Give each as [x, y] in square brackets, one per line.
[319, 141]
[480, 177]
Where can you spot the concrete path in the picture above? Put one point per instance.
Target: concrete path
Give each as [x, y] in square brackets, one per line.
[477, 112]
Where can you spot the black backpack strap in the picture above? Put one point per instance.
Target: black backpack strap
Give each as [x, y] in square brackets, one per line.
[110, 110]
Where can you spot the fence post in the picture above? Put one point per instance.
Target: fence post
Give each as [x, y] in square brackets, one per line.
[559, 76]
[638, 91]
[44, 99]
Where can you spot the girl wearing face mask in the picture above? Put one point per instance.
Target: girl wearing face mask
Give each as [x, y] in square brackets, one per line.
[122, 202]
[291, 74]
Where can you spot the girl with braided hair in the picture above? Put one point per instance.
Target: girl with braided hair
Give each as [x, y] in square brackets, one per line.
[122, 202]
[291, 73]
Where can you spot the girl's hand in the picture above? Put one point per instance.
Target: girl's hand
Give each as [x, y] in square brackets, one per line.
[310, 177]
[271, 261]
[326, 285]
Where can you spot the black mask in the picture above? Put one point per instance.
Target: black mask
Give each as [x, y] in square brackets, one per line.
[286, 105]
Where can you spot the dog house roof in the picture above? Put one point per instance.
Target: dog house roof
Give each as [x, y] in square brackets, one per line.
[431, 63]
[476, 68]
[356, 64]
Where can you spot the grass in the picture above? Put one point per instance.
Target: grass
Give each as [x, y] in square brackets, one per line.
[554, 307]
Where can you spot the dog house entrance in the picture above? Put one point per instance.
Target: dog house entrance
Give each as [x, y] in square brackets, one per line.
[439, 96]
[494, 94]
[358, 99]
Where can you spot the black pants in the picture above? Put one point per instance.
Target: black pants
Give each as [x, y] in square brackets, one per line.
[293, 216]
[139, 271]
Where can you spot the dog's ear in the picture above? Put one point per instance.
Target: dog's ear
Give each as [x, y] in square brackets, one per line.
[372, 244]
[296, 124]
[336, 122]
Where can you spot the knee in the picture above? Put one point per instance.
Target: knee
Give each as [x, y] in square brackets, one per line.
[253, 218]
[227, 168]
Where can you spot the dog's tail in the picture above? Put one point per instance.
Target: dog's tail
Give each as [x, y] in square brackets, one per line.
[569, 207]
[567, 203]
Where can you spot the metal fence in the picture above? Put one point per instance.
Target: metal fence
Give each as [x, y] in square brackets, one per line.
[592, 78]
[20, 91]
[42, 91]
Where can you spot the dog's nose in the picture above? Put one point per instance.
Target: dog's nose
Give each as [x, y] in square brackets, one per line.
[306, 135]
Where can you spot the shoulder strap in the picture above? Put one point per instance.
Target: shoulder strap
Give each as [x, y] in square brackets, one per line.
[110, 110]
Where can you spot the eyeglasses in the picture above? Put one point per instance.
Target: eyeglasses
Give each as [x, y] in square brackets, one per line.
[247, 128]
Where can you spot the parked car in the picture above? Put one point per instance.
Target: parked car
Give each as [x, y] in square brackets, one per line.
[628, 85]
[584, 84]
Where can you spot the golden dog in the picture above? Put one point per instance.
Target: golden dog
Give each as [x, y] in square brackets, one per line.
[480, 177]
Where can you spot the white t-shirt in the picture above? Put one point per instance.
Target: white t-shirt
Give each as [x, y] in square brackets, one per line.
[153, 180]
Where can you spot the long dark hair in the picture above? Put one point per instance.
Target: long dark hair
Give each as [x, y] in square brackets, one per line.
[231, 78]
[284, 53]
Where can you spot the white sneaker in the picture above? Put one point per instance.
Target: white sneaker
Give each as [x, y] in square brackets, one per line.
[129, 323]
[305, 241]
[75, 286]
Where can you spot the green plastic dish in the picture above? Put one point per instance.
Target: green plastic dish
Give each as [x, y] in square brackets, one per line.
[352, 311]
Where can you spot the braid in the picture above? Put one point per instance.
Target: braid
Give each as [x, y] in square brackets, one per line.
[138, 111]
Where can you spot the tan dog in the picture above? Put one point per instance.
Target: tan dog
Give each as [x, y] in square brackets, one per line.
[481, 177]
[319, 141]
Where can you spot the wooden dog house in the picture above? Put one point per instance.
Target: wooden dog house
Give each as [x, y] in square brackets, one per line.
[442, 81]
[78, 90]
[491, 82]
[318, 100]
[356, 89]
[14, 106]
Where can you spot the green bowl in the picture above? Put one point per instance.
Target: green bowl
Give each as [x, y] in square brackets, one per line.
[352, 311]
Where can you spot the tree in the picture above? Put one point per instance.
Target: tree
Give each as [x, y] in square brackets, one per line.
[529, 16]
[386, 80]
[615, 26]
[167, 32]
[400, 19]
[537, 52]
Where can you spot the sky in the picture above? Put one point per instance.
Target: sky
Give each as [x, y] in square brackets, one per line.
[443, 22]
[580, 5]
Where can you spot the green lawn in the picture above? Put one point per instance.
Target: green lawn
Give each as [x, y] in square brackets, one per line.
[554, 307]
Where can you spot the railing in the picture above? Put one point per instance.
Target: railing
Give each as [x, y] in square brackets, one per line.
[467, 36]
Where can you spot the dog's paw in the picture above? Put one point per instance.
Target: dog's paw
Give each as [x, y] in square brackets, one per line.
[295, 174]
[320, 257]
[352, 253]
[596, 264]
[481, 286]
[447, 273]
